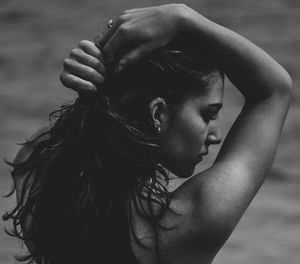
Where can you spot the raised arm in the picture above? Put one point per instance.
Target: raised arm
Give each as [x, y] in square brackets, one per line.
[222, 193]
[219, 196]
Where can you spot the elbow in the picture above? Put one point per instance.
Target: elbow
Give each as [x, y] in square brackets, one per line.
[283, 92]
[288, 82]
[285, 85]
[286, 90]
[281, 87]
[275, 87]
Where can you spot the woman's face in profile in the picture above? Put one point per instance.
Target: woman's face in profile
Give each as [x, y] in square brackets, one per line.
[194, 128]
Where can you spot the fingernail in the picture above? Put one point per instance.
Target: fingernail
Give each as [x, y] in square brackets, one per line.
[93, 88]
[120, 66]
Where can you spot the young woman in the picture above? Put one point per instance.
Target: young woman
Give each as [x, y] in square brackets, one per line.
[93, 186]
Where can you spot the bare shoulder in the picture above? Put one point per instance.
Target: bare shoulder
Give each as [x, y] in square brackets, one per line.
[216, 198]
[203, 215]
[222, 193]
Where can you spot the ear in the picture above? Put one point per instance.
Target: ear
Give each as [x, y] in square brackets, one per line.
[159, 112]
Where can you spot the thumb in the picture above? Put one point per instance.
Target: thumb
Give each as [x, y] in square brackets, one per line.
[133, 56]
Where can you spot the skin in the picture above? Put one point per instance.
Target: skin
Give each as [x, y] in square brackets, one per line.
[195, 127]
[211, 203]
[184, 141]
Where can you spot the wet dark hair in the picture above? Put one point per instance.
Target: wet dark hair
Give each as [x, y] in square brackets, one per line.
[102, 152]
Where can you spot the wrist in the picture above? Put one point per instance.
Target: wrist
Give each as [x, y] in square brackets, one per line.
[191, 21]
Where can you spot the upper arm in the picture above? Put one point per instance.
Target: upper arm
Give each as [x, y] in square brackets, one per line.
[221, 194]
[251, 143]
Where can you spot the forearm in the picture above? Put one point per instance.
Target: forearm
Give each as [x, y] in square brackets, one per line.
[248, 67]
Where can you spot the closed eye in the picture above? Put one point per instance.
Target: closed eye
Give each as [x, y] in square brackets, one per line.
[210, 115]
[211, 112]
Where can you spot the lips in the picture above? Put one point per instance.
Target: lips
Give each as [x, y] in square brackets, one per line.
[199, 158]
[203, 154]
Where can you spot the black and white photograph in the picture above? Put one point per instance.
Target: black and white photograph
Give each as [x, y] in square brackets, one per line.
[150, 132]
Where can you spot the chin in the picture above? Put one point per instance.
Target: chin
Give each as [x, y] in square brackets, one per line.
[184, 173]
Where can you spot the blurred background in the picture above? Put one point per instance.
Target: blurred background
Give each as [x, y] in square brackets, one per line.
[36, 35]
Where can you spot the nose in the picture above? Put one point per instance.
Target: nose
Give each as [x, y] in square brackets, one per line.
[214, 136]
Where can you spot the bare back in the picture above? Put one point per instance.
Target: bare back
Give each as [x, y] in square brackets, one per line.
[176, 245]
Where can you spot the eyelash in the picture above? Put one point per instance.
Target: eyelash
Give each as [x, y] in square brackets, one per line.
[210, 116]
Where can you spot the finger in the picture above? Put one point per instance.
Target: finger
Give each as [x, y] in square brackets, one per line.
[116, 44]
[136, 10]
[109, 31]
[88, 60]
[134, 56]
[76, 83]
[91, 49]
[82, 71]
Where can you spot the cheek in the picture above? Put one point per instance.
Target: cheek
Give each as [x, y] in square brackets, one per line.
[194, 134]
[186, 138]
[181, 146]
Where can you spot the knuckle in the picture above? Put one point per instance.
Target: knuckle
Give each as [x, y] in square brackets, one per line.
[101, 58]
[124, 29]
[99, 65]
[106, 51]
[90, 73]
[124, 17]
[97, 53]
[75, 52]
[83, 43]
[101, 79]
[66, 62]
[124, 61]
[183, 5]
[71, 81]
[64, 79]
[130, 10]
[104, 71]
[89, 86]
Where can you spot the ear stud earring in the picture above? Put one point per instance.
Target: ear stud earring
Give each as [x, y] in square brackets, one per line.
[157, 126]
